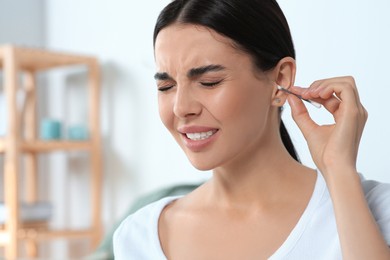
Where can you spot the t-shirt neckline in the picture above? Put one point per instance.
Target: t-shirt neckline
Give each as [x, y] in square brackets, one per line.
[292, 238]
[304, 220]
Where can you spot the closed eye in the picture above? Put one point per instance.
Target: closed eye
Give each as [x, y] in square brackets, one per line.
[211, 84]
[165, 88]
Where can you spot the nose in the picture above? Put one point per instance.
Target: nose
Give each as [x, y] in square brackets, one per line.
[186, 103]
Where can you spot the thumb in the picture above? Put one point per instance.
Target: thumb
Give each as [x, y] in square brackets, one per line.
[301, 115]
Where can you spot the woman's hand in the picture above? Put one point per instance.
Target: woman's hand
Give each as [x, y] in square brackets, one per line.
[334, 149]
[336, 145]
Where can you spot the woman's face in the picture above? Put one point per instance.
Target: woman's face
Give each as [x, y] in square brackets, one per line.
[211, 98]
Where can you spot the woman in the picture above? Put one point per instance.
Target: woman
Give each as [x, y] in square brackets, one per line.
[219, 65]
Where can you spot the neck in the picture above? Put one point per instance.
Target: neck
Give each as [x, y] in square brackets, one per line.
[269, 174]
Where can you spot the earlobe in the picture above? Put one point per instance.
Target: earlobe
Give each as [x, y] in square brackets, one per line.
[278, 102]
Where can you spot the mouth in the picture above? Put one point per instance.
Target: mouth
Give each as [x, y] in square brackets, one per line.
[200, 135]
[198, 138]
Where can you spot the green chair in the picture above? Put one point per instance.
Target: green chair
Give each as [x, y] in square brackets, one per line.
[105, 249]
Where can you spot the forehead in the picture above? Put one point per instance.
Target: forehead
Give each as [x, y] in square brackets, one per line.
[187, 45]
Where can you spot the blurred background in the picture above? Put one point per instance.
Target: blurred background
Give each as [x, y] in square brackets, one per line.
[332, 38]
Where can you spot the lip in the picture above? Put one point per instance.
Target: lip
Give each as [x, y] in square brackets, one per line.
[197, 145]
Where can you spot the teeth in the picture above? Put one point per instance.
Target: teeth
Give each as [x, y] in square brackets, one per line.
[199, 136]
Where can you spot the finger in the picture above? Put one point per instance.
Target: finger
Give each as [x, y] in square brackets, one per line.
[297, 90]
[331, 104]
[328, 100]
[333, 93]
[339, 90]
[317, 87]
[301, 116]
[351, 110]
[345, 79]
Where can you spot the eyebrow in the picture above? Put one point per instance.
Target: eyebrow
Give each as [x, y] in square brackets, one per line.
[204, 69]
[162, 76]
[194, 72]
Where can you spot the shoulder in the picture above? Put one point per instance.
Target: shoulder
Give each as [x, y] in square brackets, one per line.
[377, 193]
[378, 199]
[137, 232]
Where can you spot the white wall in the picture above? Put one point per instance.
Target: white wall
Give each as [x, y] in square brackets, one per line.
[139, 154]
[332, 38]
[21, 23]
[336, 38]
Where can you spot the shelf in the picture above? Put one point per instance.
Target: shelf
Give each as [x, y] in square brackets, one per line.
[21, 141]
[47, 146]
[2, 145]
[37, 59]
[46, 234]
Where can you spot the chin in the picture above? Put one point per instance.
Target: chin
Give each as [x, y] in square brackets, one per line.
[202, 167]
[202, 163]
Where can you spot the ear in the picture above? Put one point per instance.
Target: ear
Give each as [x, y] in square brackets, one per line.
[283, 75]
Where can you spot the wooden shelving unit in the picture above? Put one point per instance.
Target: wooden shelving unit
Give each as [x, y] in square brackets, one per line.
[21, 140]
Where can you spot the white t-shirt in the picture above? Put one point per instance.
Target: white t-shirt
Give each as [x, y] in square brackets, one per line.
[314, 236]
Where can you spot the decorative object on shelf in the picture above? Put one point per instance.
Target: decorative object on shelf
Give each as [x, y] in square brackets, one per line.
[77, 132]
[51, 129]
[29, 212]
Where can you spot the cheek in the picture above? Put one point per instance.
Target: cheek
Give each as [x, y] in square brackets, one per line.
[165, 111]
[244, 105]
[245, 119]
